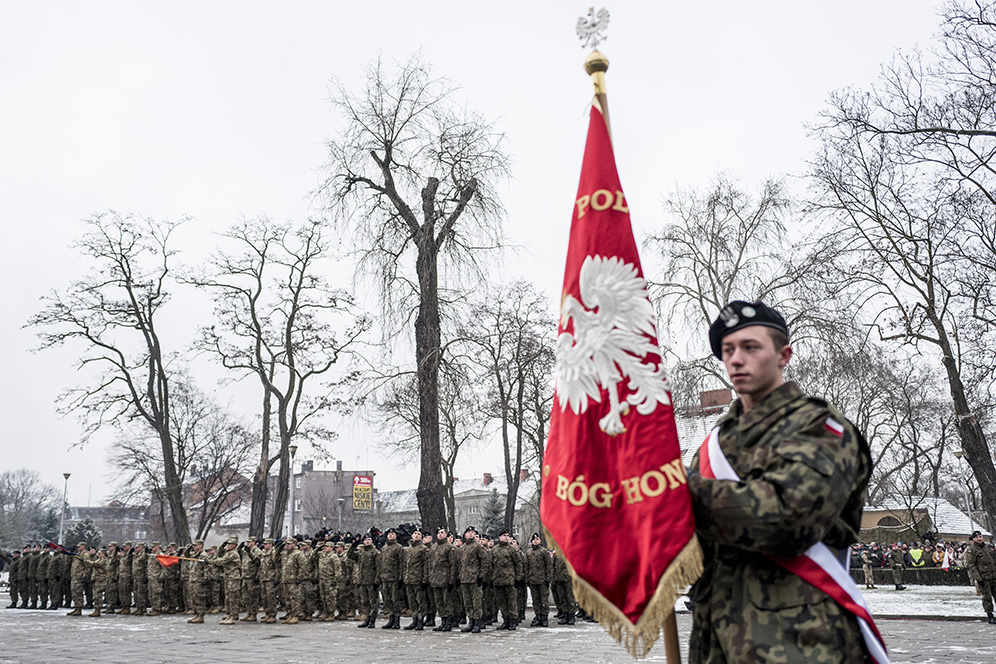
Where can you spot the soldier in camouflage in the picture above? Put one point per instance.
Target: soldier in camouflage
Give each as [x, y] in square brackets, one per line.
[329, 571]
[417, 580]
[506, 569]
[229, 563]
[269, 578]
[803, 470]
[390, 568]
[140, 578]
[981, 564]
[365, 560]
[14, 561]
[250, 579]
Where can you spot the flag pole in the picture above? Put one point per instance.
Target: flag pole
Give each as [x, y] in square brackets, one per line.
[596, 64]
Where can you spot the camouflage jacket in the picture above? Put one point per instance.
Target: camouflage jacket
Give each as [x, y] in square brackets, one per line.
[269, 566]
[561, 573]
[474, 562]
[293, 566]
[442, 564]
[539, 565]
[803, 472]
[250, 563]
[390, 562]
[416, 564]
[365, 558]
[140, 566]
[506, 565]
[980, 561]
[329, 567]
[229, 564]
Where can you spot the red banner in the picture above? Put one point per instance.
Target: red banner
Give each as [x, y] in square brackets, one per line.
[615, 499]
[167, 561]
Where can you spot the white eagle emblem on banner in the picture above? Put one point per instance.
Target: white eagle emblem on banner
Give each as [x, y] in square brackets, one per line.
[613, 335]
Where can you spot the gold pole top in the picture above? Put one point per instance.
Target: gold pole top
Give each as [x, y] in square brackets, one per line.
[596, 64]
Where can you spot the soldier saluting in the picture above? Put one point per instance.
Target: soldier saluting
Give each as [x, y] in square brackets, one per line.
[794, 475]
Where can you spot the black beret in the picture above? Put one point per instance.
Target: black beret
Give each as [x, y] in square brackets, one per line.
[976, 533]
[469, 529]
[390, 530]
[504, 532]
[738, 315]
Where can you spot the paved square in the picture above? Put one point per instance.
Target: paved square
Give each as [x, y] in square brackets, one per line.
[48, 636]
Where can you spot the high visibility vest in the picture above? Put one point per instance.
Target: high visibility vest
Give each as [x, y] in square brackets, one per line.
[916, 555]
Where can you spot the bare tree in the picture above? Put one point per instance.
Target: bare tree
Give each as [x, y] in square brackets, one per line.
[112, 315]
[895, 233]
[462, 422]
[28, 508]
[512, 340]
[414, 175]
[213, 453]
[280, 320]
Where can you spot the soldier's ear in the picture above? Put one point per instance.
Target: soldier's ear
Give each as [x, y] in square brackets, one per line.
[785, 354]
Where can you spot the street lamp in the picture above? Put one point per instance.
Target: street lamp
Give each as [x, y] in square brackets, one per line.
[340, 503]
[964, 487]
[62, 520]
[290, 506]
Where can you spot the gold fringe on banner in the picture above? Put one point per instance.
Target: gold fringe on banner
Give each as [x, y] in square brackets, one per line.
[638, 639]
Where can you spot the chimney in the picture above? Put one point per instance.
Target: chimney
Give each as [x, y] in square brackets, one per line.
[487, 479]
[338, 465]
[523, 474]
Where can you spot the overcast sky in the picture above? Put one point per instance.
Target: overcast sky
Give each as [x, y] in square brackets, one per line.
[219, 110]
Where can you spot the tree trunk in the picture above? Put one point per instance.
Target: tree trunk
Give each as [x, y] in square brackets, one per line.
[257, 513]
[973, 439]
[174, 492]
[427, 350]
[283, 486]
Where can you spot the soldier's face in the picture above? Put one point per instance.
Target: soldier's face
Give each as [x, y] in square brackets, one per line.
[752, 362]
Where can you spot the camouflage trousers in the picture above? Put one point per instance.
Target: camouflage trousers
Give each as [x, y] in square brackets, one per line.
[417, 601]
[198, 597]
[309, 598]
[488, 604]
[897, 575]
[505, 598]
[140, 586]
[369, 600]
[391, 590]
[124, 591]
[156, 594]
[250, 596]
[291, 593]
[988, 588]
[233, 596]
[869, 578]
[77, 589]
[540, 593]
[563, 597]
[15, 592]
[327, 589]
[268, 595]
[345, 602]
[472, 600]
[444, 606]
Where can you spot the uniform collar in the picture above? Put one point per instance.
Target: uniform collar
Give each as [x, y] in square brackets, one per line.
[779, 399]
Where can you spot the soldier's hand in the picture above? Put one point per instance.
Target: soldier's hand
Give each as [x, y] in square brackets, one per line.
[480, 582]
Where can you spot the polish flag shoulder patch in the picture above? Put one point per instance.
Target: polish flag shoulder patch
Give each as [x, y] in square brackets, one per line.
[834, 427]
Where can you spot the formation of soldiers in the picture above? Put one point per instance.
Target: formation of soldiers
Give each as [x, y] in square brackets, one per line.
[467, 579]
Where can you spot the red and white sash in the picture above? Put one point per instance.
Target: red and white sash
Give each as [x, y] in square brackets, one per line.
[818, 566]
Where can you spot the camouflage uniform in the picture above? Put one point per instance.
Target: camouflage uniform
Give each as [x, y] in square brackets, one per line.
[390, 568]
[309, 582]
[329, 571]
[474, 564]
[866, 567]
[228, 564]
[506, 569]
[269, 577]
[78, 574]
[42, 578]
[140, 578]
[981, 563]
[800, 484]
[124, 578]
[197, 582]
[22, 577]
[442, 577]
[365, 558]
[100, 566]
[416, 581]
[897, 560]
[250, 580]
[292, 570]
[563, 590]
[155, 573]
[539, 572]
[14, 562]
[345, 599]
[34, 560]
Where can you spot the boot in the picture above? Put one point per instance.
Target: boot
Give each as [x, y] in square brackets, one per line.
[24, 603]
[414, 623]
[476, 625]
[12, 605]
[96, 612]
[397, 622]
[34, 604]
[372, 623]
[364, 623]
[430, 620]
[419, 623]
[44, 604]
[329, 617]
[513, 624]
[75, 612]
[544, 621]
[125, 611]
[503, 626]
[470, 626]
[535, 621]
[292, 621]
[390, 623]
[227, 620]
[198, 619]
[153, 612]
[569, 620]
[443, 625]
[992, 620]
[269, 620]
